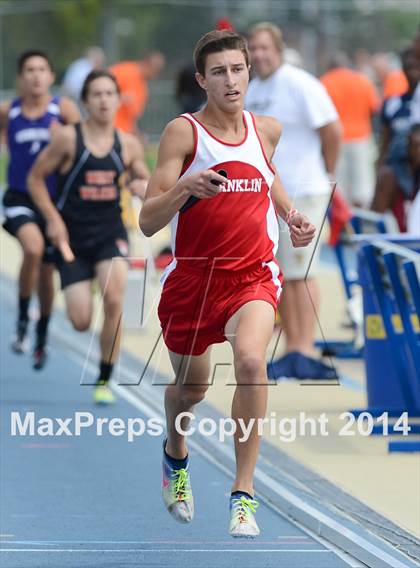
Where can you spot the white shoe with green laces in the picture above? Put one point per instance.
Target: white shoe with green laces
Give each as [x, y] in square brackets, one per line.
[102, 394]
[176, 492]
[242, 520]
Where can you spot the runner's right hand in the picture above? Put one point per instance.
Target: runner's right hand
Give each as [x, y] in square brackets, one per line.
[205, 184]
[57, 231]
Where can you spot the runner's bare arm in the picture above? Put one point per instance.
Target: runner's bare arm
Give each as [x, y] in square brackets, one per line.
[47, 162]
[137, 168]
[330, 136]
[166, 193]
[385, 139]
[4, 113]
[280, 197]
[69, 111]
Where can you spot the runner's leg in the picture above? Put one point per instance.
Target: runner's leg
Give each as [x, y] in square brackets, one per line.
[46, 288]
[32, 243]
[112, 277]
[46, 299]
[249, 331]
[188, 388]
[78, 297]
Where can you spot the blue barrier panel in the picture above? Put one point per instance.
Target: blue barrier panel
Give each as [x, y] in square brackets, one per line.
[362, 222]
[404, 446]
[365, 222]
[389, 275]
[408, 313]
[413, 278]
[378, 429]
[383, 368]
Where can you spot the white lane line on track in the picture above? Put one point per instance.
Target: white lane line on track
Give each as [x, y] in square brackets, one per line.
[165, 550]
[279, 540]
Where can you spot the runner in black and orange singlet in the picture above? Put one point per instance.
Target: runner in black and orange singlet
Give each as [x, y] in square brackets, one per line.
[85, 222]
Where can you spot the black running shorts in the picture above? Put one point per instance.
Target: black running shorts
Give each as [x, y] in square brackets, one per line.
[83, 267]
[19, 209]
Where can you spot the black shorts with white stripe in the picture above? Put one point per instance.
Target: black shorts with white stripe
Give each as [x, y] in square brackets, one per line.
[19, 209]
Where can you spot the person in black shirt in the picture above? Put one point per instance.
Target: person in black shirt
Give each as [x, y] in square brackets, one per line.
[85, 222]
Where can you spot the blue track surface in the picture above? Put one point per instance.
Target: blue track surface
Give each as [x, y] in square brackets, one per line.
[94, 501]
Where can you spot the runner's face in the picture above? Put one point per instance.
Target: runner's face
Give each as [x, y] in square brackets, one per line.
[265, 57]
[102, 100]
[226, 79]
[36, 77]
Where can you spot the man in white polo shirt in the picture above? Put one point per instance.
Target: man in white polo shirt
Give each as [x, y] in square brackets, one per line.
[305, 159]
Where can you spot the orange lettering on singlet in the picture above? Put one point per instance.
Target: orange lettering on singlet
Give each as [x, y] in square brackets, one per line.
[95, 193]
[100, 177]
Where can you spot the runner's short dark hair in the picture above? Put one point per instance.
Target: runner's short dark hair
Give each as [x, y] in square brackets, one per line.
[23, 58]
[93, 75]
[216, 41]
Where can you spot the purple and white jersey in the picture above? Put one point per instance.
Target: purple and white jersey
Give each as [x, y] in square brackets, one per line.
[26, 137]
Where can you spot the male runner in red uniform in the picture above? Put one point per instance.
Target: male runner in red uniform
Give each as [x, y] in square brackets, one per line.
[214, 180]
[85, 222]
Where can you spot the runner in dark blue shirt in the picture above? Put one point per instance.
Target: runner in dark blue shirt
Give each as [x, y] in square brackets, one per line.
[28, 120]
[396, 111]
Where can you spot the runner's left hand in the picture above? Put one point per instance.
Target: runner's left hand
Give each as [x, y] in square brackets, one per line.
[138, 187]
[302, 231]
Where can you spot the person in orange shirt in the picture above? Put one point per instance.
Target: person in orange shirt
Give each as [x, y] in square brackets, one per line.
[132, 78]
[356, 101]
[395, 84]
[392, 82]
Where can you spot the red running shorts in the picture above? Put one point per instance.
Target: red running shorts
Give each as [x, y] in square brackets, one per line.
[196, 304]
